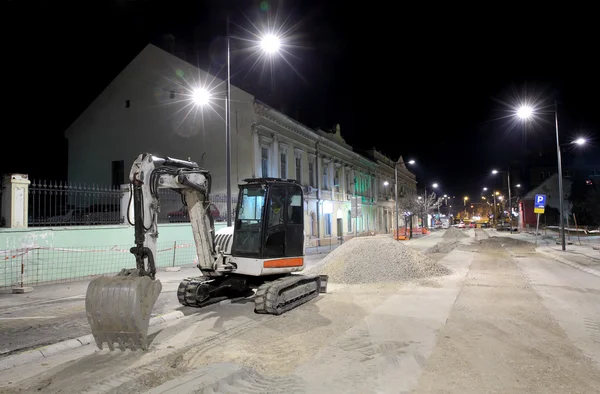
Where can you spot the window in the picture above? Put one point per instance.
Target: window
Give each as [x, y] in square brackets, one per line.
[348, 181]
[311, 173]
[283, 173]
[336, 180]
[327, 224]
[349, 221]
[313, 225]
[127, 103]
[118, 173]
[265, 161]
[299, 169]
[325, 180]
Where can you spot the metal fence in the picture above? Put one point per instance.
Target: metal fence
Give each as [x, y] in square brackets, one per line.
[45, 265]
[56, 203]
[53, 203]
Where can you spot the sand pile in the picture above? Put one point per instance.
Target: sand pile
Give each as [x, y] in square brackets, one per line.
[377, 259]
[453, 232]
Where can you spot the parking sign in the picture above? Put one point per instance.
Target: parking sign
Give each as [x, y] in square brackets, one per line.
[539, 204]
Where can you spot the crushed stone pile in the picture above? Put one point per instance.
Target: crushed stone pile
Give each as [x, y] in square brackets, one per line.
[377, 259]
[453, 232]
[443, 247]
[500, 242]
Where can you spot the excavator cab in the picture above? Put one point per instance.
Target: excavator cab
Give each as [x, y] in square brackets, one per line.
[269, 219]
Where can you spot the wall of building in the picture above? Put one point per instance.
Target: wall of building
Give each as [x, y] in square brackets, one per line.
[146, 109]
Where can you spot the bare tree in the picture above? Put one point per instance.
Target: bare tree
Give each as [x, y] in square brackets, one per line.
[409, 202]
[430, 203]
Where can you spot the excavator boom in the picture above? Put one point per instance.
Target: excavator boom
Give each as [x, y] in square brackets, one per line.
[119, 307]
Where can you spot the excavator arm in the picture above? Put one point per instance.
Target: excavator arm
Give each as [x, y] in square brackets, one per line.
[118, 308]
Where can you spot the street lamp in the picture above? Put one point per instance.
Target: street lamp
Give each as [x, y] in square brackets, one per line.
[525, 112]
[580, 141]
[510, 228]
[396, 195]
[270, 45]
[485, 189]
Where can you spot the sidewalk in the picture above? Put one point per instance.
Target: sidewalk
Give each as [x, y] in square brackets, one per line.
[585, 257]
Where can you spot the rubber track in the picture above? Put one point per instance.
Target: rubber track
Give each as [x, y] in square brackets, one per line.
[186, 293]
[301, 289]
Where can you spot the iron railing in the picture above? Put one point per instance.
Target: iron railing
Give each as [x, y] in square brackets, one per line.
[53, 203]
[56, 203]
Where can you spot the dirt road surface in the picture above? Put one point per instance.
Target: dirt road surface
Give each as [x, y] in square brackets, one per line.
[506, 320]
[55, 313]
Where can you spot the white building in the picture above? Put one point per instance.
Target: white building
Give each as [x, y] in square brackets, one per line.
[147, 108]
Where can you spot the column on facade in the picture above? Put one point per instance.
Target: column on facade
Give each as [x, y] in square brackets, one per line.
[275, 161]
[257, 170]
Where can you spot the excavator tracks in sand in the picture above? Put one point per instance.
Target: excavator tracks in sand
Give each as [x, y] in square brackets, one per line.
[274, 298]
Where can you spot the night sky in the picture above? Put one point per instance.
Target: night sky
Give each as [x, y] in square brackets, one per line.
[430, 84]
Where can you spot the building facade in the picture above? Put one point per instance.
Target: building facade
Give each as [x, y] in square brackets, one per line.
[148, 108]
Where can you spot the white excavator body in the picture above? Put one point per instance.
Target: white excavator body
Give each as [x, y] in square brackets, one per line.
[260, 252]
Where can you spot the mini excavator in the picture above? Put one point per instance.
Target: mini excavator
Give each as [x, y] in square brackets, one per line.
[260, 254]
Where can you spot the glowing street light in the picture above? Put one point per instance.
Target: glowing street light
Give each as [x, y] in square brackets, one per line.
[485, 189]
[411, 162]
[525, 112]
[580, 141]
[201, 96]
[518, 185]
[494, 172]
[270, 44]
[435, 185]
[386, 183]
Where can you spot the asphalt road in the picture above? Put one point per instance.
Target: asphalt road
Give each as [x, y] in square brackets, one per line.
[55, 313]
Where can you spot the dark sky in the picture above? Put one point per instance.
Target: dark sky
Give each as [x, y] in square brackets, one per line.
[427, 83]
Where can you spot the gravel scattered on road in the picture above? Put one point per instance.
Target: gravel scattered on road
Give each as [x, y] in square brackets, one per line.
[453, 232]
[377, 259]
[500, 242]
[443, 247]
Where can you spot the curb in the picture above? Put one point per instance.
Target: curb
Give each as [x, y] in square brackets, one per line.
[569, 263]
[51, 350]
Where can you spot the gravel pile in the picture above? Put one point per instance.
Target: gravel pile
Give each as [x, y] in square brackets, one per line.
[443, 247]
[377, 259]
[453, 232]
[500, 242]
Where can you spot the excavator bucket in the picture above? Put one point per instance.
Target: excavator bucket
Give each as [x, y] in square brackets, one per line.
[118, 309]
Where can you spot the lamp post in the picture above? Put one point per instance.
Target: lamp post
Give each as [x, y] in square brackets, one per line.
[425, 201]
[509, 198]
[526, 112]
[270, 45]
[396, 193]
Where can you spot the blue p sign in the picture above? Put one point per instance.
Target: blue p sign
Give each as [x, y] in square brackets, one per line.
[540, 201]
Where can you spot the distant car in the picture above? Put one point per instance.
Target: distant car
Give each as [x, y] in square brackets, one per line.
[473, 225]
[485, 225]
[461, 225]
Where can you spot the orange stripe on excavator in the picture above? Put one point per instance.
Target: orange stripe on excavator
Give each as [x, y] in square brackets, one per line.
[284, 263]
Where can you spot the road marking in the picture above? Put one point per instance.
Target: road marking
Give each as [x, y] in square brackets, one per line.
[28, 317]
